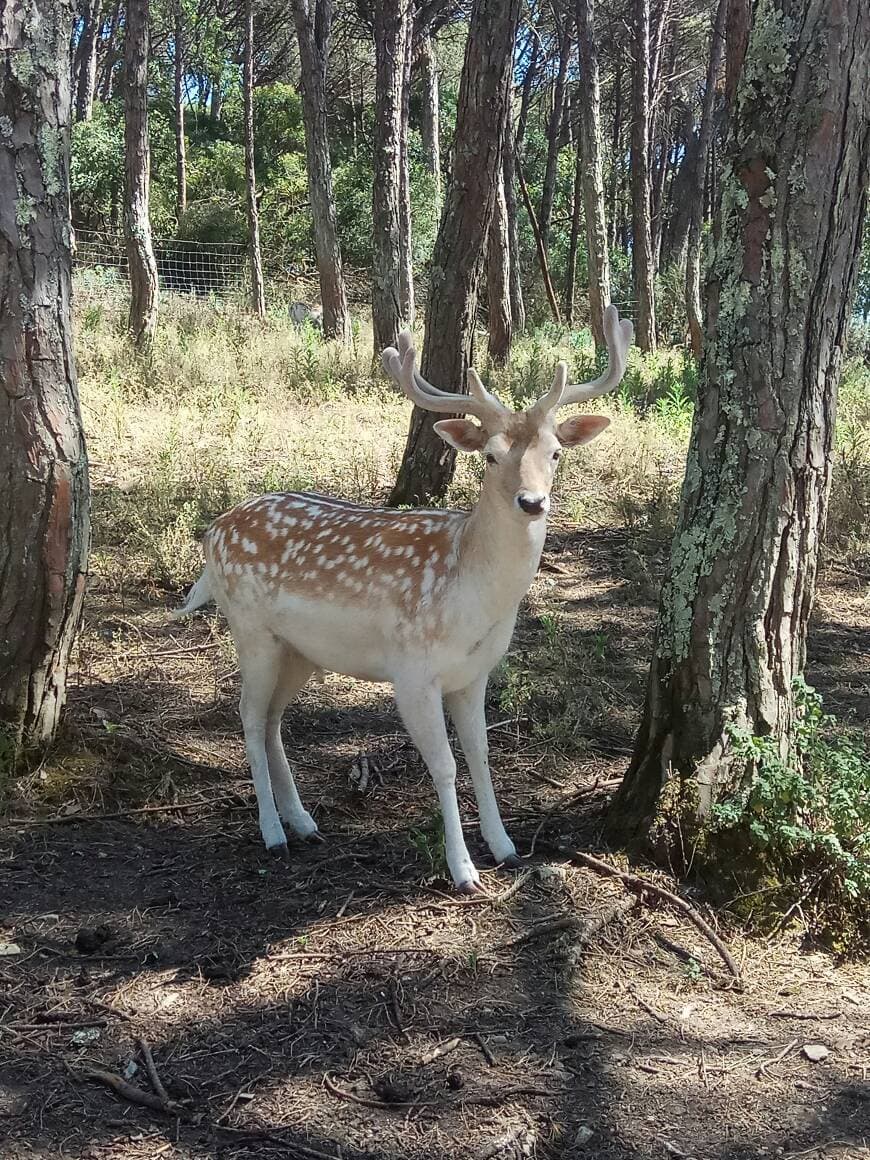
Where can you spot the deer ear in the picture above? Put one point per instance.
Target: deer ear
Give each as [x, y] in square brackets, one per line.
[580, 429]
[461, 434]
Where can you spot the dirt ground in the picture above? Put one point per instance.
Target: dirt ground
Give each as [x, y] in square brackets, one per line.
[350, 1004]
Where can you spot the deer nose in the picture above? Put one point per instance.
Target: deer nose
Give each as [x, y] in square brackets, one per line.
[532, 505]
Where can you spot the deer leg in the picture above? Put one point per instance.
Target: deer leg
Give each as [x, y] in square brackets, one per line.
[422, 711]
[260, 661]
[466, 707]
[295, 671]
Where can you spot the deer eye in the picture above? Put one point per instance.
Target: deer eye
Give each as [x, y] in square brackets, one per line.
[557, 455]
[490, 458]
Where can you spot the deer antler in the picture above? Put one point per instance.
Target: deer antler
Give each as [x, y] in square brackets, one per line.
[400, 365]
[618, 334]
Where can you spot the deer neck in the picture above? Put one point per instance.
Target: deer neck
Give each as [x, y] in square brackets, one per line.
[501, 550]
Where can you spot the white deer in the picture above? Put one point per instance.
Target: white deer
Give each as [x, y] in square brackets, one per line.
[426, 600]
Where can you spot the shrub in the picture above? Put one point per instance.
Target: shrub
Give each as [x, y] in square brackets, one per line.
[807, 816]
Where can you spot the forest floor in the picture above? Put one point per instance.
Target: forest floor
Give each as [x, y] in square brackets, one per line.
[350, 1004]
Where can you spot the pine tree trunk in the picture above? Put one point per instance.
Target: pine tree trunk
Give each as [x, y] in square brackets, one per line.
[615, 186]
[554, 128]
[180, 154]
[406, 261]
[313, 27]
[518, 307]
[258, 295]
[737, 600]
[574, 236]
[427, 465]
[498, 277]
[695, 193]
[87, 74]
[391, 28]
[592, 172]
[137, 223]
[430, 125]
[641, 227]
[44, 494]
[216, 103]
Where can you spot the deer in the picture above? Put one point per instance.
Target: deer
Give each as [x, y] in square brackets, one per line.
[426, 600]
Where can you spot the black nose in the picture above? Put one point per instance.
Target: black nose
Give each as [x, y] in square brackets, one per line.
[533, 505]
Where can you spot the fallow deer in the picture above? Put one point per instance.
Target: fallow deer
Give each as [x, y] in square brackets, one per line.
[425, 600]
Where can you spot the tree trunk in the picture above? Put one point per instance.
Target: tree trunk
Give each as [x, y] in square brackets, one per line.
[406, 260]
[180, 157]
[87, 73]
[391, 28]
[258, 295]
[111, 55]
[498, 276]
[137, 223]
[641, 231]
[737, 600]
[574, 239]
[589, 91]
[554, 128]
[430, 126]
[540, 247]
[44, 494]
[616, 151]
[427, 465]
[216, 104]
[313, 26]
[518, 306]
[695, 194]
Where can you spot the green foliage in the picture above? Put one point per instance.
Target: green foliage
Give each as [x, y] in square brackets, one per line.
[429, 842]
[97, 167]
[807, 814]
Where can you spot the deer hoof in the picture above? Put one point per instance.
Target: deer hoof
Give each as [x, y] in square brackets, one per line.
[470, 887]
[315, 838]
[513, 862]
[280, 852]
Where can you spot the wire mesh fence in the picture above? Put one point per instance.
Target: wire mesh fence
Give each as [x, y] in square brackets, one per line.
[217, 269]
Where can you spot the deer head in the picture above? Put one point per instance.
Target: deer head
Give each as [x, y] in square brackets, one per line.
[521, 448]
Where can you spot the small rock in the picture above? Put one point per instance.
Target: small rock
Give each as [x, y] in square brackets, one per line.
[583, 1135]
[815, 1052]
[90, 939]
[9, 948]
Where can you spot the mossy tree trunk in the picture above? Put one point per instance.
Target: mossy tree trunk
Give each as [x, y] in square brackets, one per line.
[739, 592]
[137, 222]
[313, 19]
[484, 90]
[44, 497]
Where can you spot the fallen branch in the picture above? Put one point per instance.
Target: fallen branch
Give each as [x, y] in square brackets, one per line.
[643, 886]
[132, 1094]
[153, 1074]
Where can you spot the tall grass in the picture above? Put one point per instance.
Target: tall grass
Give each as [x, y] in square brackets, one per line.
[225, 406]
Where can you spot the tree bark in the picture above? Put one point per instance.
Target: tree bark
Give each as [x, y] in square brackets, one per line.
[87, 73]
[574, 239]
[178, 77]
[498, 276]
[137, 223]
[695, 194]
[406, 260]
[391, 28]
[554, 128]
[616, 152]
[518, 306]
[736, 603]
[430, 126]
[484, 90]
[44, 494]
[258, 294]
[592, 172]
[539, 245]
[313, 27]
[641, 230]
